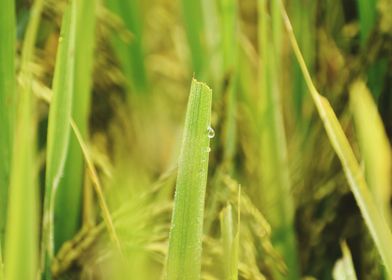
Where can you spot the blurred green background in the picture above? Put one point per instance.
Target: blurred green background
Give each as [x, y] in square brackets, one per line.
[133, 66]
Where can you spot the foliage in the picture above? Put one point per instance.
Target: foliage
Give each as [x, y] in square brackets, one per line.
[101, 177]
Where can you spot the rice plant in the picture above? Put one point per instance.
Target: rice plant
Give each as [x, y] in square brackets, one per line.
[197, 139]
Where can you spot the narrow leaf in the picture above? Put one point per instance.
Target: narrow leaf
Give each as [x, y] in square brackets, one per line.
[21, 243]
[59, 124]
[275, 197]
[185, 242]
[98, 189]
[7, 101]
[230, 242]
[69, 195]
[367, 18]
[130, 52]
[229, 47]
[374, 145]
[194, 28]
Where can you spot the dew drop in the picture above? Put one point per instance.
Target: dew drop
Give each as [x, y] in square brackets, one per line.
[211, 132]
[208, 149]
[60, 39]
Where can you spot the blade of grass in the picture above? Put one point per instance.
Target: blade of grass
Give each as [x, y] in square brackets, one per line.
[58, 127]
[230, 241]
[21, 243]
[7, 101]
[374, 145]
[227, 236]
[275, 194]
[185, 241]
[108, 220]
[98, 188]
[303, 23]
[374, 220]
[211, 19]
[229, 12]
[88, 210]
[228, 87]
[344, 267]
[21, 246]
[192, 13]
[367, 20]
[69, 194]
[130, 53]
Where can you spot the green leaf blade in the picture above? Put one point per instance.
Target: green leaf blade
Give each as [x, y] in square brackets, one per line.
[374, 145]
[374, 220]
[21, 235]
[69, 195]
[59, 123]
[275, 200]
[21, 243]
[194, 27]
[230, 242]
[7, 101]
[185, 242]
[367, 18]
[131, 54]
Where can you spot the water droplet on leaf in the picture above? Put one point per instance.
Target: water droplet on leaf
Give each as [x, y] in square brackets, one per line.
[211, 132]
